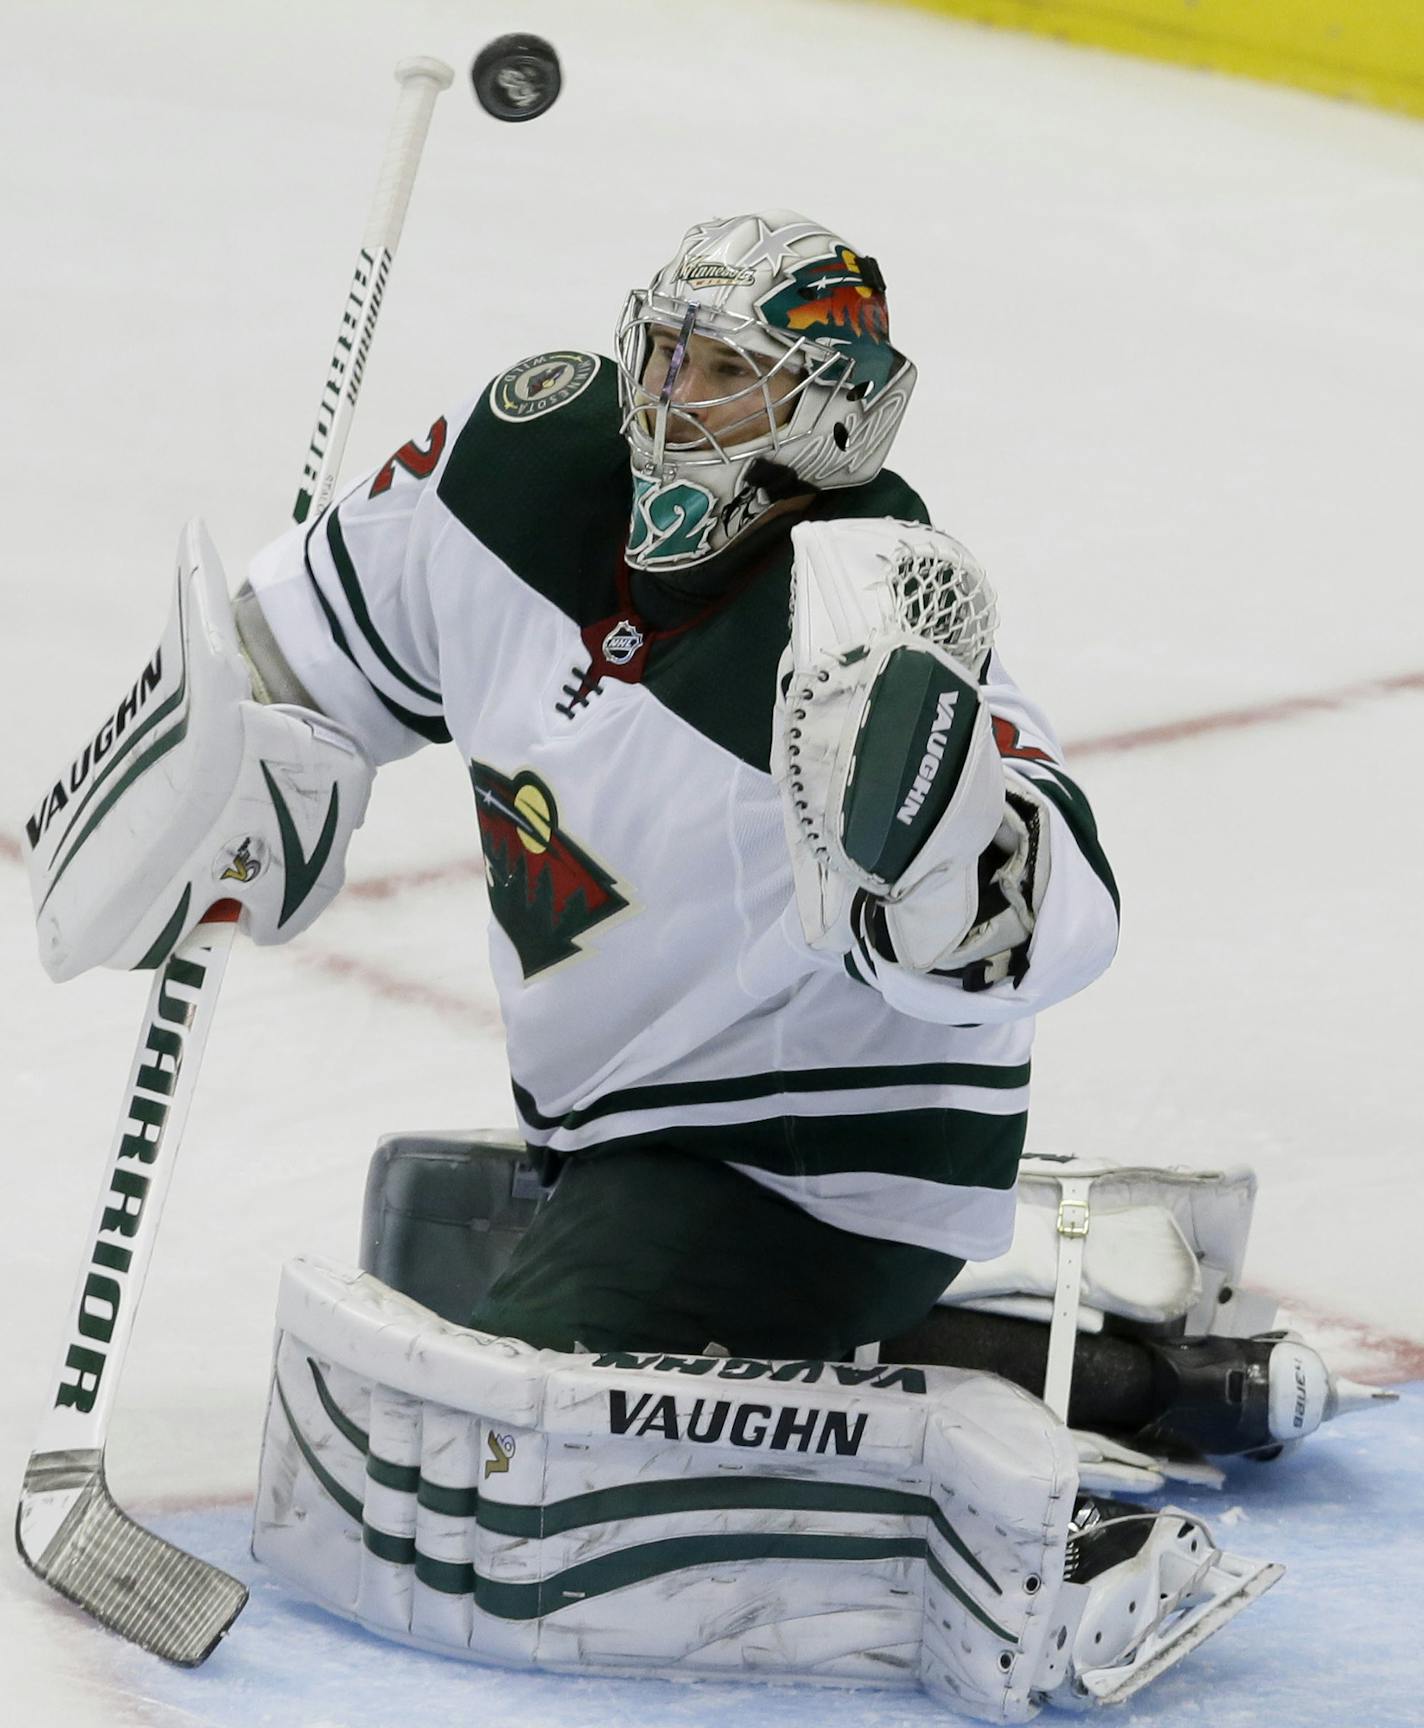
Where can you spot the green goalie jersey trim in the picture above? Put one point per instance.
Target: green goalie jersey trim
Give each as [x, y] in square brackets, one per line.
[551, 495]
[950, 1146]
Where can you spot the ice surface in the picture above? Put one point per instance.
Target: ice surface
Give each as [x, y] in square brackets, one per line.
[1172, 395]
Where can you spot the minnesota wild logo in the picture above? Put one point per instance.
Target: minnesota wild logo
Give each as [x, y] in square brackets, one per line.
[544, 890]
[542, 383]
[840, 300]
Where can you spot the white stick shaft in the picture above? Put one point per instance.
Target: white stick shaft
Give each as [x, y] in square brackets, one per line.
[421, 81]
[162, 1080]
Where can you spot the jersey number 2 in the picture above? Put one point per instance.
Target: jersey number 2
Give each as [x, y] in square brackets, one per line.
[415, 459]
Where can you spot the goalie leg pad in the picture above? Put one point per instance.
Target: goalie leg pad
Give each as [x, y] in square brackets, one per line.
[1164, 1247]
[665, 1514]
[659, 1514]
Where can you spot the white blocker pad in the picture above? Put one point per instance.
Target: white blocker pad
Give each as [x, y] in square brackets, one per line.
[188, 793]
[673, 1516]
[1157, 1245]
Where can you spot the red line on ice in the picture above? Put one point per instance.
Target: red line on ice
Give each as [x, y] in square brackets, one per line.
[1390, 1360]
[1237, 719]
[398, 881]
[391, 987]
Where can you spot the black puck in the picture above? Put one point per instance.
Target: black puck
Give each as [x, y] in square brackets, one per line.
[516, 77]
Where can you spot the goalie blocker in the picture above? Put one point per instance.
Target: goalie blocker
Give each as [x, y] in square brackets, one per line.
[711, 1516]
[191, 792]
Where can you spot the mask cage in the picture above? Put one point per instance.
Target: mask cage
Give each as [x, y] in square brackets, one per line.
[666, 438]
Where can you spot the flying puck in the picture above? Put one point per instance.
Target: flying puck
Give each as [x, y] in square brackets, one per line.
[516, 77]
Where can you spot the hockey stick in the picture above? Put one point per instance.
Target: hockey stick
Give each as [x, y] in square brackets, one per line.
[68, 1529]
[421, 81]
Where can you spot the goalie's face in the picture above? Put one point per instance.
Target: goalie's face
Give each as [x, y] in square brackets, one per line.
[713, 391]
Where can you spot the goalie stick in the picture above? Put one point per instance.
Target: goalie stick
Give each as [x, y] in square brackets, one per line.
[68, 1529]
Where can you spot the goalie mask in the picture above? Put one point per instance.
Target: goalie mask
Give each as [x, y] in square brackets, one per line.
[808, 390]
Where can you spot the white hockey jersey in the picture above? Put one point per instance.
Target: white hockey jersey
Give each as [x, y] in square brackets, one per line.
[654, 983]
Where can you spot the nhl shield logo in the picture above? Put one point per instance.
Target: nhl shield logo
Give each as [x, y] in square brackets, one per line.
[622, 642]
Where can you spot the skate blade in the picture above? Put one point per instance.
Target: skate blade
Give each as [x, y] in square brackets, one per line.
[1243, 1580]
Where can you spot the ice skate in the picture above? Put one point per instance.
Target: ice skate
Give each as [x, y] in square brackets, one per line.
[1154, 1586]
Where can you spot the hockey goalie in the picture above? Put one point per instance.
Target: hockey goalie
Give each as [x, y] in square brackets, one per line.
[753, 1352]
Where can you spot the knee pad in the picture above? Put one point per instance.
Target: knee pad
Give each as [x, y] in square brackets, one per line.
[443, 1213]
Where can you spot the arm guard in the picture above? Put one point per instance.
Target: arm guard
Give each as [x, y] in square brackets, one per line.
[192, 792]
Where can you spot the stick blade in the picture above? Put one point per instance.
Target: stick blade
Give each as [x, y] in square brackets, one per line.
[71, 1534]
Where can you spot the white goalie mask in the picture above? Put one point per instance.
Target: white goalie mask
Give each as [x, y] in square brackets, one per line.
[820, 388]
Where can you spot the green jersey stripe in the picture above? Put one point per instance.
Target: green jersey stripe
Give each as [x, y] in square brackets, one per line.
[432, 730]
[356, 600]
[743, 1087]
[951, 1148]
[1068, 799]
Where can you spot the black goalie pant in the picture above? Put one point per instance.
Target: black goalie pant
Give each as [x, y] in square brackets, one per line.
[660, 1250]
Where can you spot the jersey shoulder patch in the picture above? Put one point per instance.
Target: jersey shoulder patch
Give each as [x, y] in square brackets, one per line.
[542, 383]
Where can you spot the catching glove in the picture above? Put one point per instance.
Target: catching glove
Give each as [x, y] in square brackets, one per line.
[892, 787]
